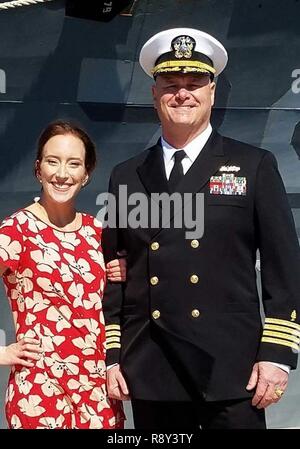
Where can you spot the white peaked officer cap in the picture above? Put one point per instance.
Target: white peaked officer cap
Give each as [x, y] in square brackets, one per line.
[183, 50]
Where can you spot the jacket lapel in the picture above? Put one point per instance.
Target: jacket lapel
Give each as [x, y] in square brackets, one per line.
[210, 159]
[152, 172]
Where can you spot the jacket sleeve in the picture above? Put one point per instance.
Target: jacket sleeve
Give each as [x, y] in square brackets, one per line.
[113, 294]
[280, 266]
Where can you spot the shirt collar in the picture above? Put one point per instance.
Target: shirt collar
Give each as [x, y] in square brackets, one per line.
[192, 149]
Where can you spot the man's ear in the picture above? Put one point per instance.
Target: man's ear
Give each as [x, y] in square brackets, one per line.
[212, 92]
[153, 88]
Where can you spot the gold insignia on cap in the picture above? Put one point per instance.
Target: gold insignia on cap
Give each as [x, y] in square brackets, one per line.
[293, 315]
[182, 66]
[183, 46]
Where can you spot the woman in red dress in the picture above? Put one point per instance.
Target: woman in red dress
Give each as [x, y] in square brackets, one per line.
[54, 275]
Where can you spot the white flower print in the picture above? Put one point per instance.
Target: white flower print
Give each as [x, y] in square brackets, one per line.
[97, 369]
[48, 386]
[97, 223]
[34, 225]
[49, 340]
[30, 406]
[63, 405]
[97, 257]
[51, 423]
[30, 318]
[44, 264]
[23, 278]
[101, 318]
[112, 421]
[80, 266]
[83, 384]
[6, 223]
[77, 291]
[60, 316]
[94, 301]
[23, 385]
[59, 365]
[89, 323]
[50, 289]
[9, 249]
[76, 398]
[15, 422]
[37, 302]
[99, 395]
[10, 392]
[47, 256]
[88, 233]
[89, 414]
[68, 240]
[66, 273]
[17, 296]
[88, 344]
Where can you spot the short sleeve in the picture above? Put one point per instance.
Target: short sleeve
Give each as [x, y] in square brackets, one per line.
[11, 243]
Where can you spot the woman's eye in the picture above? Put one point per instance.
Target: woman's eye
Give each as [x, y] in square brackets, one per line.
[51, 161]
[74, 164]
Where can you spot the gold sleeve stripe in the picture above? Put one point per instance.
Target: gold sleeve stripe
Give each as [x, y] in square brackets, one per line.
[282, 329]
[111, 339]
[280, 342]
[116, 327]
[283, 323]
[113, 346]
[111, 333]
[280, 335]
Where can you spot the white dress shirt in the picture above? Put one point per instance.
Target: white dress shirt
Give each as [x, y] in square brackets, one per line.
[192, 151]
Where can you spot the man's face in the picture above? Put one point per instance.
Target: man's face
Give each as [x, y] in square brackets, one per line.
[184, 100]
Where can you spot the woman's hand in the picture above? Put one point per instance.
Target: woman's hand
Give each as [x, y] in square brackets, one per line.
[25, 352]
[116, 270]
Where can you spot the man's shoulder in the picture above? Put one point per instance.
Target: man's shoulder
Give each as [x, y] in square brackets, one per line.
[234, 147]
[133, 162]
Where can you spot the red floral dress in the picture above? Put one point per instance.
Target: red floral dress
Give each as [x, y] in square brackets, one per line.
[55, 285]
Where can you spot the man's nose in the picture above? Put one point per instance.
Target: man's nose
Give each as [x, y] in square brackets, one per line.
[183, 93]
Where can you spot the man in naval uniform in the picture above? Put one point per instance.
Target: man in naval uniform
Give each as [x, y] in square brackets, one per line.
[185, 339]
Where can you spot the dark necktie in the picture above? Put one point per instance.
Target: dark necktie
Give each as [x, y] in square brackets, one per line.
[177, 170]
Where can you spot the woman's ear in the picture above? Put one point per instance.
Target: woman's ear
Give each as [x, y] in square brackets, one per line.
[85, 180]
[37, 170]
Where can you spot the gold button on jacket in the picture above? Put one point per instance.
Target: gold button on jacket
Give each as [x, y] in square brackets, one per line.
[156, 314]
[154, 246]
[154, 280]
[195, 313]
[195, 243]
[194, 279]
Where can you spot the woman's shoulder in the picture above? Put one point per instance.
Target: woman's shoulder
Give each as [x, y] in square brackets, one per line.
[17, 218]
[90, 220]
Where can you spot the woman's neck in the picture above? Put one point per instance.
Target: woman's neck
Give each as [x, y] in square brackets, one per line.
[58, 215]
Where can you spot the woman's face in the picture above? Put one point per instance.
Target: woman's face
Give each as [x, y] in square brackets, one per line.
[62, 169]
